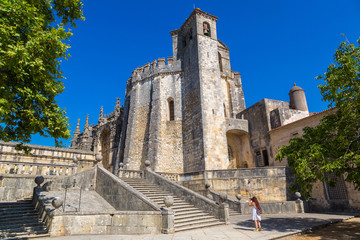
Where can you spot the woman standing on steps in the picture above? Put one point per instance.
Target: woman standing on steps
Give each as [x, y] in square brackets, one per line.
[256, 212]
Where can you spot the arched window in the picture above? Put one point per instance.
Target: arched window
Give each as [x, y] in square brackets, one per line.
[171, 109]
[206, 29]
[220, 62]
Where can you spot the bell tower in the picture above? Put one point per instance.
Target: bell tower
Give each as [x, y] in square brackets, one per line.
[195, 44]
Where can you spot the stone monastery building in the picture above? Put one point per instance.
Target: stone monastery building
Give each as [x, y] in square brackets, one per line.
[183, 152]
[187, 113]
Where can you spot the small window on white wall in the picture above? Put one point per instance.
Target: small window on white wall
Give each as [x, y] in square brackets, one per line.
[171, 109]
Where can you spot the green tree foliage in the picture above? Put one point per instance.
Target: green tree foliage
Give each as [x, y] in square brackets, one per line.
[32, 42]
[334, 145]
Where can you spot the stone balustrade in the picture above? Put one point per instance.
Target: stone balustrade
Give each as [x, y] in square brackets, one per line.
[130, 173]
[175, 177]
[29, 168]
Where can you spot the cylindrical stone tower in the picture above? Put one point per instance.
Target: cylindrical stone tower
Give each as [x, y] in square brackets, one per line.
[297, 98]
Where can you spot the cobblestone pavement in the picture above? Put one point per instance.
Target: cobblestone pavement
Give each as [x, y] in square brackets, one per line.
[241, 227]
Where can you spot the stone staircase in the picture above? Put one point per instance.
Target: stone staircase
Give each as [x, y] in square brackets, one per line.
[233, 212]
[19, 220]
[186, 216]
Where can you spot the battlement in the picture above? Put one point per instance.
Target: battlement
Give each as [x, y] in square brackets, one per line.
[155, 67]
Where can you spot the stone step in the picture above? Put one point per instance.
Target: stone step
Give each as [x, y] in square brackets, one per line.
[17, 212]
[195, 218]
[137, 183]
[30, 236]
[161, 198]
[5, 218]
[25, 199]
[156, 195]
[18, 208]
[181, 213]
[179, 208]
[176, 205]
[15, 204]
[186, 209]
[202, 225]
[146, 187]
[195, 222]
[233, 212]
[186, 216]
[153, 192]
[142, 187]
[19, 220]
[190, 215]
[24, 234]
[22, 228]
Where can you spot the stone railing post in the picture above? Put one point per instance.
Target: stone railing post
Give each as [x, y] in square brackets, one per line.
[224, 213]
[207, 191]
[147, 168]
[224, 209]
[168, 216]
[299, 203]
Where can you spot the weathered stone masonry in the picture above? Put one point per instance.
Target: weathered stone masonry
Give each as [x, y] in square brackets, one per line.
[187, 113]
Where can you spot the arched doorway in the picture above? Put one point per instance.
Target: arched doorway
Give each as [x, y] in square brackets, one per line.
[105, 149]
[239, 144]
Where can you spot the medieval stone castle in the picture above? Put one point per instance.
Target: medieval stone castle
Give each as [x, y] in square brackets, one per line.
[187, 113]
[183, 152]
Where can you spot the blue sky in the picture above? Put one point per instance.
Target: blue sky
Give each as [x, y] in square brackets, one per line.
[272, 44]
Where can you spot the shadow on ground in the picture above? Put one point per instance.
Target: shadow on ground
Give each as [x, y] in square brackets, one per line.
[281, 224]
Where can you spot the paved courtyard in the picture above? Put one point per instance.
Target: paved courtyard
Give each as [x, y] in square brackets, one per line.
[241, 227]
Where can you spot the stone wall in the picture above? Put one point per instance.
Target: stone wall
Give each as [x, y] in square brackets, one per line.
[320, 202]
[97, 220]
[268, 184]
[120, 195]
[150, 135]
[192, 126]
[115, 223]
[165, 135]
[282, 135]
[16, 187]
[84, 180]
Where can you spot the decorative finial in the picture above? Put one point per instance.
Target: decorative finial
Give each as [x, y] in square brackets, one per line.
[294, 84]
[117, 106]
[77, 129]
[86, 123]
[101, 115]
